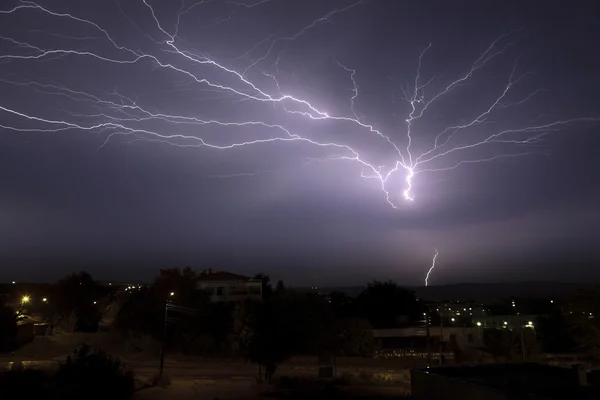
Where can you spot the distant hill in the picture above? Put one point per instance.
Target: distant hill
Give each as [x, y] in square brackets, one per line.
[480, 292]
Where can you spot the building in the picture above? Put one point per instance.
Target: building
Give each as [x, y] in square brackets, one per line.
[503, 382]
[455, 336]
[227, 287]
[511, 322]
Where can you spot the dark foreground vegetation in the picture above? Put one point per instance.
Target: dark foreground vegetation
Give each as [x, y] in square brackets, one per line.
[85, 374]
[174, 316]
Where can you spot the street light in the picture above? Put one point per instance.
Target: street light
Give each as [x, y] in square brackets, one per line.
[25, 299]
[479, 324]
[172, 293]
[45, 300]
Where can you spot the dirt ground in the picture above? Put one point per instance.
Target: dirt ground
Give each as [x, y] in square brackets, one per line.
[248, 389]
[208, 378]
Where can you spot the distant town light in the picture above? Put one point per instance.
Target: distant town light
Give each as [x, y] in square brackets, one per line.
[551, 301]
[44, 299]
[172, 293]
[14, 282]
[478, 323]
[25, 299]
[452, 319]
[94, 302]
[529, 323]
[505, 323]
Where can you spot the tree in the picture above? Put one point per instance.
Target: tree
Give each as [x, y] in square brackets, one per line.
[355, 337]
[74, 302]
[268, 333]
[8, 327]
[183, 283]
[584, 320]
[267, 289]
[343, 305]
[554, 332]
[383, 302]
[509, 344]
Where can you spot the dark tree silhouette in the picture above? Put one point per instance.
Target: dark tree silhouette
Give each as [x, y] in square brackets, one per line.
[268, 333]
[382, 303]
[8, 327]
[74, 304]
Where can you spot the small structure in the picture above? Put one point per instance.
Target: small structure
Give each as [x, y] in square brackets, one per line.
[228, 287]
[456, 336]
[501, 382]
[25, 332]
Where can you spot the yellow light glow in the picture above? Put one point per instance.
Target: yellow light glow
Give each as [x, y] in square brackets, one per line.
[44, 299]
[172, 293]
[25, 299]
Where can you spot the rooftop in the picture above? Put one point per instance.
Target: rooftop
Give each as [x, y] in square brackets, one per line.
[210, 276]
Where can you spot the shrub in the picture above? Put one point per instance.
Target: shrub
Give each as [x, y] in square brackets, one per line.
[8, 328]
[94, 375]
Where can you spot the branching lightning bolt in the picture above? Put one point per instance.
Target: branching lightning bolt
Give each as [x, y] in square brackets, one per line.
[431, 268]
[118, 115]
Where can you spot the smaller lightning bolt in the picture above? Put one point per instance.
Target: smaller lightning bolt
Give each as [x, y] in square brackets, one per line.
[431, 268]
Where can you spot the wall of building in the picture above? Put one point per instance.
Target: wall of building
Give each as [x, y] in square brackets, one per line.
[231, 291]
[462, 336]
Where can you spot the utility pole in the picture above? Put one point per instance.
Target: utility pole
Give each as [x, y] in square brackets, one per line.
[428, 339]
[441, 338]
[522, 343]
[162, 349]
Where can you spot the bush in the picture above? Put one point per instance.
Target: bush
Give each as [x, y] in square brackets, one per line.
[85, 375]
[96, 375]
[8, 328]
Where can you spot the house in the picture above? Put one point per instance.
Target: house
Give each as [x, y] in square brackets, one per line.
[228, 287]
[456, 336]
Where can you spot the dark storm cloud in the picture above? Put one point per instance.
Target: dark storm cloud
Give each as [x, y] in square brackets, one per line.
[130, 206]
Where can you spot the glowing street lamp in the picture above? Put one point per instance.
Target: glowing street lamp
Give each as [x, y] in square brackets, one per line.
[45, 300]
[25, 299]
[172, 293]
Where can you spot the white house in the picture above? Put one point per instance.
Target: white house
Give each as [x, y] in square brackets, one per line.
[461, 336]
[227, 287]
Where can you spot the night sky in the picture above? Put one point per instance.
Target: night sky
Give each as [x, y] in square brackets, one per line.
[92, 92]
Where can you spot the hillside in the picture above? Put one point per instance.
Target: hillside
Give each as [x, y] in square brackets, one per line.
[480, 292]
